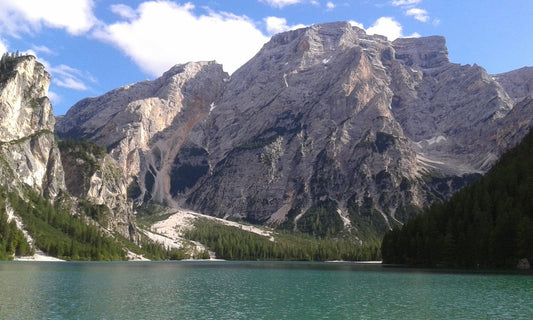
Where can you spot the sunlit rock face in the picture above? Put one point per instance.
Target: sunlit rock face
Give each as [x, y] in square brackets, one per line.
[28, 149]
[325, 116]
[144, 124]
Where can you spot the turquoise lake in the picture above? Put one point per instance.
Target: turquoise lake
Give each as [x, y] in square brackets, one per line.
[256, 290]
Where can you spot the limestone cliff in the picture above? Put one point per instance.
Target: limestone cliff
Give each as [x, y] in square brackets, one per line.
[94, 176]
[143, 125]
[324, 122]
[28, 150]
[30, 158]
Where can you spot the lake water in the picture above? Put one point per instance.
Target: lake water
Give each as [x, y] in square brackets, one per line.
[256, 290]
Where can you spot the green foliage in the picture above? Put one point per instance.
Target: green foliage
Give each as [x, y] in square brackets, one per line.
[84, 149]
[368, 221]
[60, 234]
[321, 220]
[7, 65]
[12, 241]
[232, 243]
[488, 224]
[99, 213]
[155, 251]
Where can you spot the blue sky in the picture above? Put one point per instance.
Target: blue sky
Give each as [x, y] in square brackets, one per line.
[93, 46]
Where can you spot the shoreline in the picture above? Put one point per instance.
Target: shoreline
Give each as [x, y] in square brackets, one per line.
[38, 257]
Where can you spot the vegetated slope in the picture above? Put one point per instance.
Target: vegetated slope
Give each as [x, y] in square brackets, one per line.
[488, 224]
[87, 218]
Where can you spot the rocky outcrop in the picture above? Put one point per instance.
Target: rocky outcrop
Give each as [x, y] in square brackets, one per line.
[517, 83]
[28, 150]
[328, 113]
[143, 125]
[94, 176]
[30, 158]
[322, 119]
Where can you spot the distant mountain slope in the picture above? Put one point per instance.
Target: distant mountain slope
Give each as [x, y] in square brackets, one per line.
[487, 224]
[325, 124]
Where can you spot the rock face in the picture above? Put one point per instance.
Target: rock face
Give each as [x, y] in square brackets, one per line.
[94, 176]
[325, 117]
[517, 83]
[28, 149]
[30, 157]
[144, 124]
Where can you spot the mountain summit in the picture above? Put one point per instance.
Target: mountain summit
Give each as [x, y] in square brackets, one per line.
[326, 128]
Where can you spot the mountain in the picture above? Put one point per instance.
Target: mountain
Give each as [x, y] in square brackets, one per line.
[325, 129]
[487, 224]
[54, 196]
[28, 148]
[144, 125]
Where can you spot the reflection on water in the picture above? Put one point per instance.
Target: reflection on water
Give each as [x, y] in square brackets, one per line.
[255, 290]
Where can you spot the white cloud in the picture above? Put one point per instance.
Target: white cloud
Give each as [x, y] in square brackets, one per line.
[330, 5]
[123, 11]
[276, 25]
[281, 3]
[413, 35]
[419, 14]
[43, 49]
[70, 83]
[356, 24]
[3, 46]
[18, 16]
[55, 99]
[386, 26]
[399, 3]
[164, 33]
[68, 77]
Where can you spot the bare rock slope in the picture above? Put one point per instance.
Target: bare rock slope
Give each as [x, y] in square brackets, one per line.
[326, 125]
[28, 149]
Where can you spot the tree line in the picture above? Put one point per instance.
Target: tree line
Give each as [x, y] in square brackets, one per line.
[232, 243]
[487, 224]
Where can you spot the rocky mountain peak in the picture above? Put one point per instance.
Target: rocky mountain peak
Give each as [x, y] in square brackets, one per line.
[25, 107]
[321, 119]
[28, 147]
[426, 52]
[518, 83]
[144, 124]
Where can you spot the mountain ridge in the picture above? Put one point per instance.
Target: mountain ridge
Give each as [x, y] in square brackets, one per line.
[325, 117]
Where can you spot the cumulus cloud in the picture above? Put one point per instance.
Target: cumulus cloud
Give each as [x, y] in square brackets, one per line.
[401, 3]
[419, 14]
[75, 16]
[276, 25]
[386, 26]
[330, 5]
[280, 3]
[163, 33]
[123, 11]
[356, 24]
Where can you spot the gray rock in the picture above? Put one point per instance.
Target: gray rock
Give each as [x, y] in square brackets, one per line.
[28, 149]
[321, 115]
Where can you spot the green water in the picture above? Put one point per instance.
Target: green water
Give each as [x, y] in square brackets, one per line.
[256, 290]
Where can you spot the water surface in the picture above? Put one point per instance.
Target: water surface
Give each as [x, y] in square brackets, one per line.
[256, 290]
